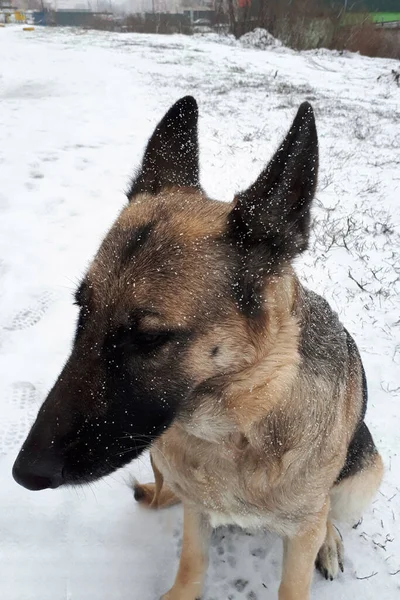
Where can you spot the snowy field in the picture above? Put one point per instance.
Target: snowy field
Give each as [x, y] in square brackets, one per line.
[76, 110]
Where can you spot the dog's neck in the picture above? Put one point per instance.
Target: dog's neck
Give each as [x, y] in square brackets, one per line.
[236, 403]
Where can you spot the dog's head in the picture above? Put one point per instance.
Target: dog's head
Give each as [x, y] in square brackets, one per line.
[170, 302]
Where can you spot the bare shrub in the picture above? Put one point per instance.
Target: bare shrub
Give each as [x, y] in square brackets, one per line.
[368, 38]
[103, 24]
[307, 24]
[163, 23]
[300, 24]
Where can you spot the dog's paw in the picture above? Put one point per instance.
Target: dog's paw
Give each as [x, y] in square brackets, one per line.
[149, 495]
[144, 493]
[330, 556]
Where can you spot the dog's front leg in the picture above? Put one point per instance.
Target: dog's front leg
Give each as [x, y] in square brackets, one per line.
[194, 558]
[299, 554]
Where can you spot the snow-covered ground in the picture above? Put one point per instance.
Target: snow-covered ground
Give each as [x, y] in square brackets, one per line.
[76, 109]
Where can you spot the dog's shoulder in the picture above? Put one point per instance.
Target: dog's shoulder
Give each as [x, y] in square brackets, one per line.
[323, 343]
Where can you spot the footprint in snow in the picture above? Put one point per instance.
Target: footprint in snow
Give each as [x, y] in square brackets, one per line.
[50, 158]
[31, 315]
[23, 395]
[22, 401]
[36, 174]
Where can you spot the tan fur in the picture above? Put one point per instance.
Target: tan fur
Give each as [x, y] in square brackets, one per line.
[193, 217]
[263, 475]
[155, 495]
[255, 390]
[330, 555]
[299, 555]
[149, 495]
[186, 253]
[193, 563]
[351, 496]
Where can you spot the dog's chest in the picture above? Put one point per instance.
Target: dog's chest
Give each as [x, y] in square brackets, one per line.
[222, 480]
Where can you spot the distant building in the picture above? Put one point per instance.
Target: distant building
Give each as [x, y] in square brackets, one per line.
[166, 6]
[6, 11]
[138, 6]
[83, 17]
[197, 12]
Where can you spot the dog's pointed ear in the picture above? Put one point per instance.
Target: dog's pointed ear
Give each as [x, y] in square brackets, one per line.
[275, 210]
[171, 157]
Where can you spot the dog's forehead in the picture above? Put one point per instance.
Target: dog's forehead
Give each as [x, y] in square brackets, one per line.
[187, 212]
[162, 254]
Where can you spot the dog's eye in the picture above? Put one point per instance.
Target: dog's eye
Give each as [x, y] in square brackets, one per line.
[132, 340]
[150, 340]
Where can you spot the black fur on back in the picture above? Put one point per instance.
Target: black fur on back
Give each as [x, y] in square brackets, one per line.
[362, 447]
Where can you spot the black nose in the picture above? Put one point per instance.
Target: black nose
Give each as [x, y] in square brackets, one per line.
[39, 473]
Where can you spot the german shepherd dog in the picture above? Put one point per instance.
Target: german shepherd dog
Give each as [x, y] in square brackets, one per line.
[195, 338]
